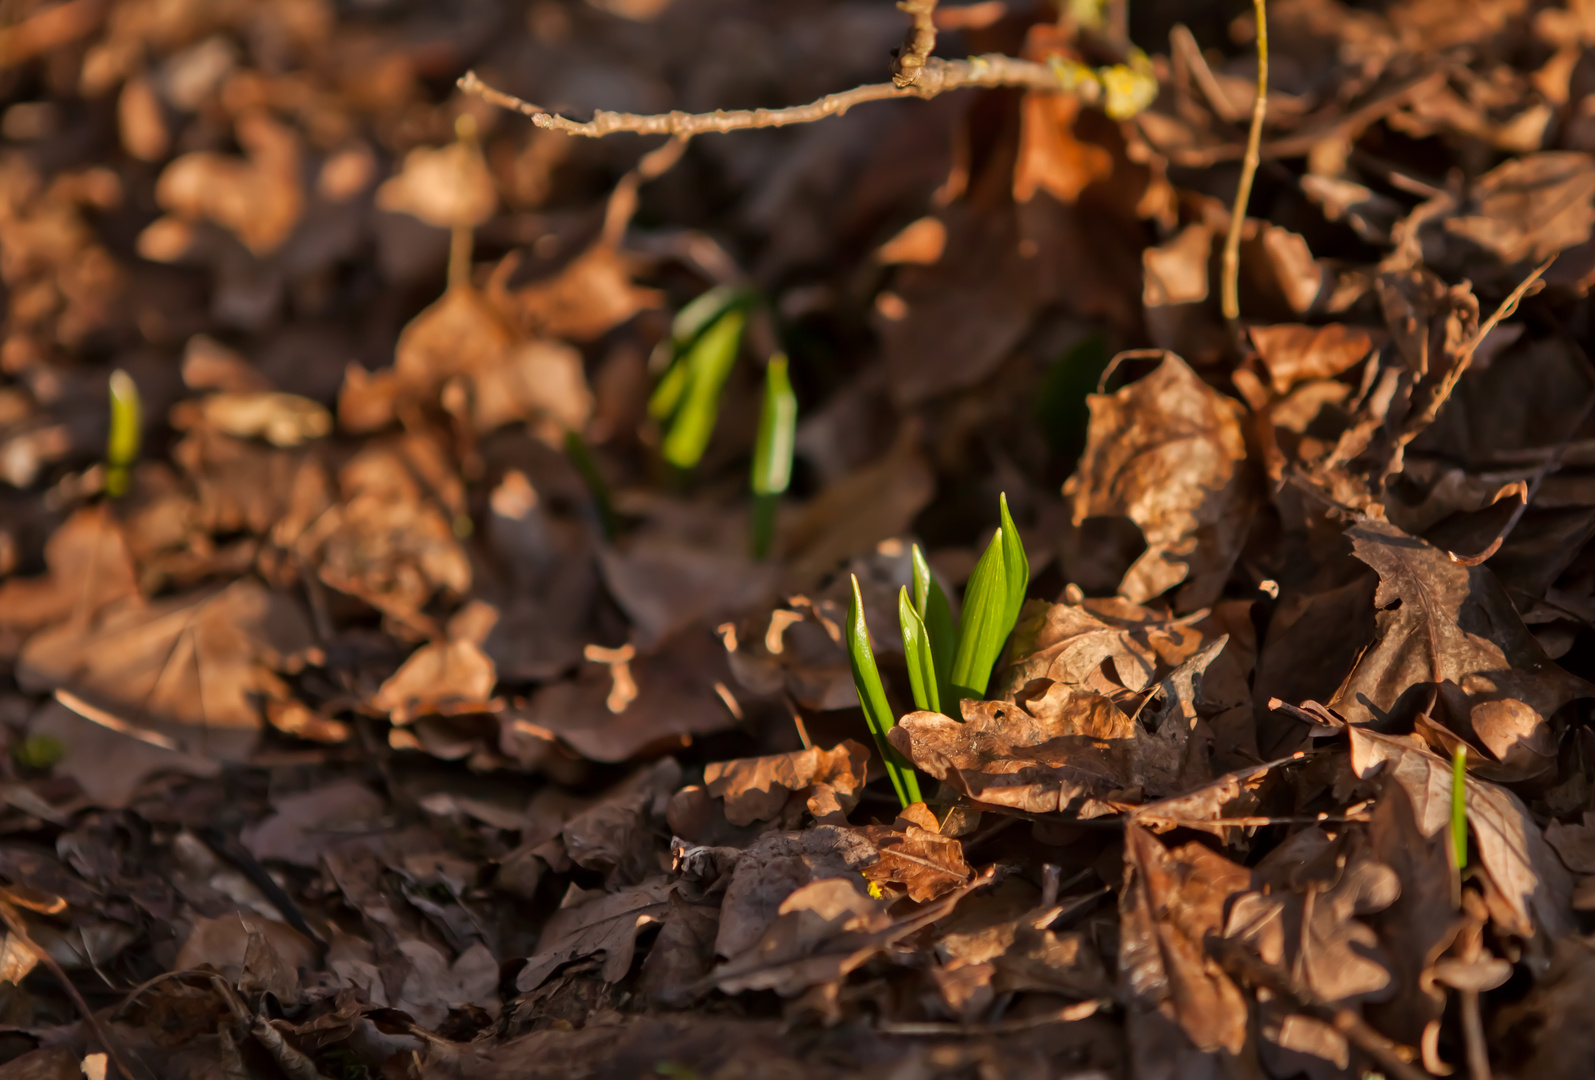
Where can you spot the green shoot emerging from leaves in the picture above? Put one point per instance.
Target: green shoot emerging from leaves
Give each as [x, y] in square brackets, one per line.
[1459, 805]
[121, 449]
[772, 452]
[872, 697]
[992, 599]
[704, 342]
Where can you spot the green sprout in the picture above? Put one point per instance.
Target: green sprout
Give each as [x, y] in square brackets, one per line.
[704, 341]
[38, 752]
[121, 448]
[872, 698]
[1459, 805]
[597, 487]
[992, 599]
[772, 452]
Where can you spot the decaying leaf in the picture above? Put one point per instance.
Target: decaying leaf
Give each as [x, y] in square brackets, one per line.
[1166, 452]
[914, 854]
[592, 921]
[1450, 644]
[758, 789]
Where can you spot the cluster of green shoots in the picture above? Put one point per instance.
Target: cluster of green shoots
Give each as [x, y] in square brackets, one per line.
[697, 358]
[946, 663]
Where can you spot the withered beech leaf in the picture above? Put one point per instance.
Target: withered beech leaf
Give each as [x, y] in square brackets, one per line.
[1004, 756]
[757, 789]
[592, 921]
[89, 567]
[1535, 885]
[923, 861]
[1172, 901]
[1166, 451]
[259, 198]
[1104, 645]
[1450, 630]
[1294, 353]
[191, 666]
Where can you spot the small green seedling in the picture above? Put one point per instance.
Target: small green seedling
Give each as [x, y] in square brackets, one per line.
[946, 665]
[705, 339]
[38, 752]
[1459, 806]
[597, 487]
[992, 599]
[872, 698]
[121, 448]
[772, 452]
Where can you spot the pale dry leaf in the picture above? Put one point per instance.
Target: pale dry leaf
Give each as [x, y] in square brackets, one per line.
[280, 419]
[1295, 353]
[259, 197]
[1167, 452]
[449, 187]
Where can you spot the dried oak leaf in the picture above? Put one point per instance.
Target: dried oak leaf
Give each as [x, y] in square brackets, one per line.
[1004, 756]
[1574, 843]
[1448, 632]
[591, 921]
[1532, 881]
[259, 197]
[591, 295]
[758, 789]
[1172, 902]
[1107, 645]
[191, 667]
[446, 677]
[920, 859]
[1166, 451]
[89, 567]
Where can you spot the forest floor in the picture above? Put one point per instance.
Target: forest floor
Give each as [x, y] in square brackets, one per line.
[389, 686]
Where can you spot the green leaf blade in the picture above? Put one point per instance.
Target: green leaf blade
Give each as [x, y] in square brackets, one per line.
[709, 363]
[919, 652]
[1016, 565]
[872, 698]
[127, 431]
[777, 437]
[980, 629]
[931, 604]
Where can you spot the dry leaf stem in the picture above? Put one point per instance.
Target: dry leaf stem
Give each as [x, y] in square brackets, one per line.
[1243, 192]
[937, 76]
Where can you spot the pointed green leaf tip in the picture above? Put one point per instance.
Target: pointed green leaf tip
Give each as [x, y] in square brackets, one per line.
[121, 447]
[872, 698]
[1459, 805]
[708, 363]
[772, 452]
[992, 600]
[930, 603]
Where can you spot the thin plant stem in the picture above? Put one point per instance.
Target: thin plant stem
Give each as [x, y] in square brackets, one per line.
[1243, 193]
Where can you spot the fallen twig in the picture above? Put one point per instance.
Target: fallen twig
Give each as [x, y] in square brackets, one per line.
[918, 43]
[936, 76]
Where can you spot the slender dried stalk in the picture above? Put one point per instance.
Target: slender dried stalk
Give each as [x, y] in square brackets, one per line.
[937, 76]
[1243, 193]
[918, 43]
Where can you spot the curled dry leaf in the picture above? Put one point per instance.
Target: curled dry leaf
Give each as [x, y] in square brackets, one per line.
[758, 789]
[1294, 353]
[1166, 451]
[1530, 207]
[1448, 634]
[591, 295]
[1172, 901]
[776, 865]
[1536, 887]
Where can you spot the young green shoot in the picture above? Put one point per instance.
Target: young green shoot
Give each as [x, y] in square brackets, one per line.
[121, 448]
[917, 649]
[597, 487]
[772, 452]
[872, 698]
[697, 358]
[1459, 806]
[992, 599]
[930, 604]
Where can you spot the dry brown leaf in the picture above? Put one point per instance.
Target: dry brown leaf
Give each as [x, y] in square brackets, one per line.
[89, 568]
[1050, 158]
[191, 666]
[758, 789]
[280, 419]
[449, 187]
[1535, 886]
[1448, 634]
[1166, 451]
[775, 866]
[433, 986]
[1172, 901]
[1108, 645]
[1574, 843]
[304, 824]
[920, 859]
[1294, 353]
[1530, 207]
[592, 921]
[259, 197]
[445, 677]
[592, 295]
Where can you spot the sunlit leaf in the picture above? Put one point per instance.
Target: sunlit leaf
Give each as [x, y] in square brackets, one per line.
[709, 362]
[1015, 565]
[872, 698]
[920, 653]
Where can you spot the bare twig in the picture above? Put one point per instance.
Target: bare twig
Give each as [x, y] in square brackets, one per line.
[937, 76]
[1243, 192]
[917, 43]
